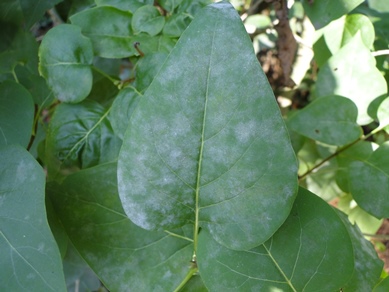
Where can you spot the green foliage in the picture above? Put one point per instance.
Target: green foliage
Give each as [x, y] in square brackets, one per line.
[169, 165]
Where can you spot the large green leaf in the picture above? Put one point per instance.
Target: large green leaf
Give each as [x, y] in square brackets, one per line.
[26, 12]
[359, 81]
[65, 59]
[110, 32]
[16, 114]
[80, 136]
[322, 12]
[331, 120]
[206, 144]
[369, 182]
[29, 256]
[311, 251]
[124, 256]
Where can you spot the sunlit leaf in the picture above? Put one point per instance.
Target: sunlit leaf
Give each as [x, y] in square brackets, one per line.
[331, 120]
[65, 58]
[317, 255]
[29, 256]
[16, 114]
[383, 115]
[208, 141]
[352, 73]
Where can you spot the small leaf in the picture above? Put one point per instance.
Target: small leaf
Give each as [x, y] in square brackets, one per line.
[331, 120]
[80, 136]
[30, 260]
[369, 182]
[125, 5]
[208, 141]
[65, 59]
[147, 19]
[170, 5]
[317, 256]
[16, 114]
[120, 253]
[122, 108]
[352, 64]
[367, 265]
[322, 12]
[176, 24]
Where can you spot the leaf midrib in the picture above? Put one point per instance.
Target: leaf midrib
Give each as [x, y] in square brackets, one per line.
[197, 193]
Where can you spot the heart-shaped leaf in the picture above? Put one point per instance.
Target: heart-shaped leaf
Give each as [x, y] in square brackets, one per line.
[16, 114]
[29, 256]
[207, 145]
[369, 182]
[123, 255]
[65, 58]
[352, 64]
[317, 255]
[331, 120]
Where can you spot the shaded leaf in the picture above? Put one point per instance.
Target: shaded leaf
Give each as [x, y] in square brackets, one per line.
[80, 136]
[383, 115]
[367, 265]
[147, 19]
[169, 5]
[176, 24]
[317, 256]
[123, 255]
[16, 114]
[125, 5]
[382, 286]
[65, 58]
[208, 140]
[369, 182]
[27, 12]
[112, 37]
[146, 69]
[122, 108]
[331, 120]
[324, 11]
[29, 256]
[341, 74]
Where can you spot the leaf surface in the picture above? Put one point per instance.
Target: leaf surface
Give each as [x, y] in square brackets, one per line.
[16, 114]
[29, 256]
[331, 120]
[147, 19]
[125, 5]
[123, 255]
[342, 72]
[383, 115]
[311, 251]
[65, 58]
[369, 182]
[112, 36]
[208, 141]
[80, 136]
